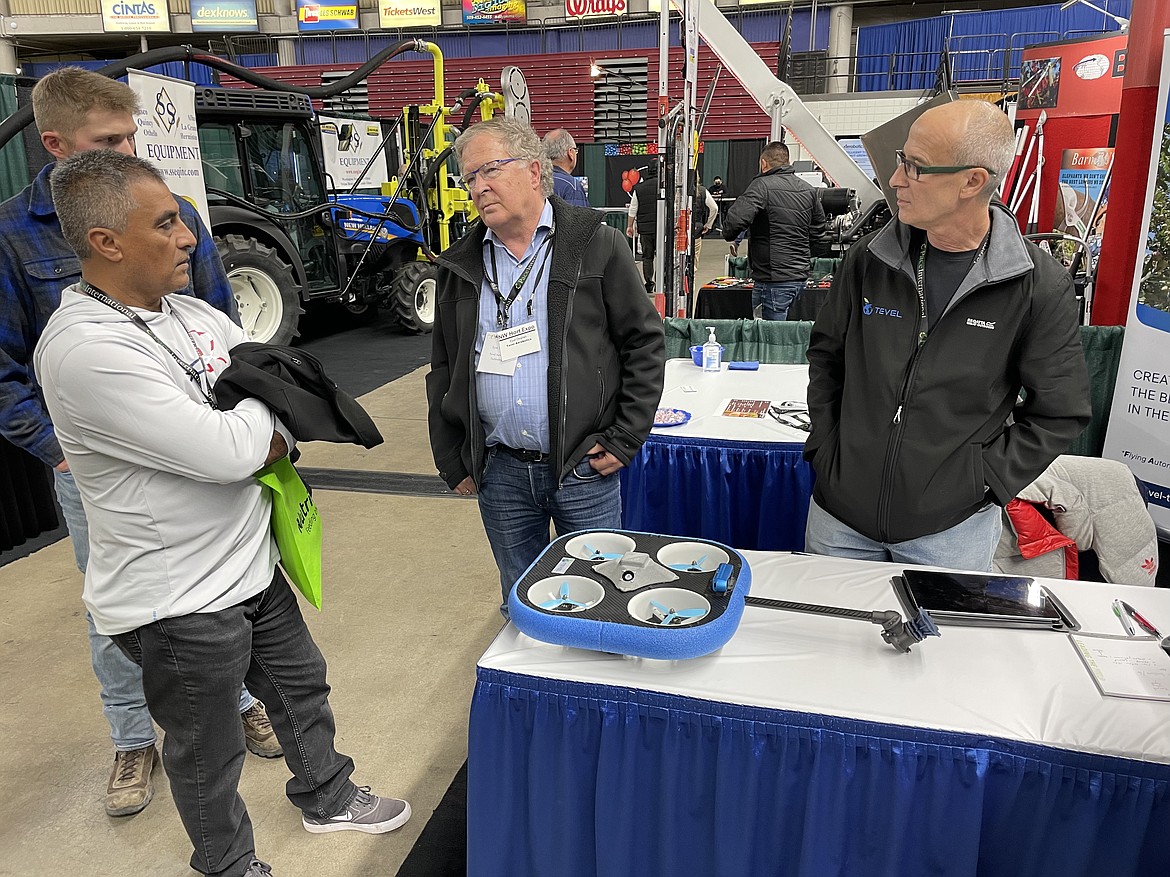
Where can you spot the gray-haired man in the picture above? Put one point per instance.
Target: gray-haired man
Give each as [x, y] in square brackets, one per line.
[548, 358]
[562, 152]
[182, 572]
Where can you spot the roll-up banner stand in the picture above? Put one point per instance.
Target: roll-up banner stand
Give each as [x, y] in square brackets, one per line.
[1139, 421]
[167, 135]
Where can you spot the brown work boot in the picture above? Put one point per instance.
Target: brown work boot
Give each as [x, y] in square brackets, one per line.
[258, 734]
[131, 787]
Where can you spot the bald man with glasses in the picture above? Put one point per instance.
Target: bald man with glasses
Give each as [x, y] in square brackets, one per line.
[933, 327]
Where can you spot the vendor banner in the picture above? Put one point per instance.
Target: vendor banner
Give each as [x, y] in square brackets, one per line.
[1083, 193]
[1072, 78]
[348, 147]
[135, 16]
[495, 12]
[167, 136]
[1139, 422]
[224, 16]
[316, 16]
[409, 13]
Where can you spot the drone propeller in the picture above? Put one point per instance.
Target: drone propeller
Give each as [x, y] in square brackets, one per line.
[666, 616]
[694, 566]
[597, 554]
[562, 602]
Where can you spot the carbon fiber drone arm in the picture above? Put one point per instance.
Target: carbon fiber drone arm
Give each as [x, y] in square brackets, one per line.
[901, 635]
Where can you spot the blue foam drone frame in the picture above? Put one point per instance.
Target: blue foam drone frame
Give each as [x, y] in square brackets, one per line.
[673, 635]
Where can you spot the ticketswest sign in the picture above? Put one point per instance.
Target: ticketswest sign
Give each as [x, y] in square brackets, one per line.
[409, 13]
[223, 15]
[595, 8]
[135, 16]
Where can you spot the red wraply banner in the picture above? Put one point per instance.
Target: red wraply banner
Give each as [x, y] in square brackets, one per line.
[1079, 78]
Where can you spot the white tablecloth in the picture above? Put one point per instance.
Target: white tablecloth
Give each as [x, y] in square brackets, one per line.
[1014, 684]
[691, 389]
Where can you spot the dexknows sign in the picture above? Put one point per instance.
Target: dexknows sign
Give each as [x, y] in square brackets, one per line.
[223, 15]
[595, 8]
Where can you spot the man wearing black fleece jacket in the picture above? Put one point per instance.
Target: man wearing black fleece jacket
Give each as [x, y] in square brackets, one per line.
[916, 362]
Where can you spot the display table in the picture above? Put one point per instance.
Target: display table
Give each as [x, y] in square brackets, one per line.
[807, 747]
[724, 298]
[739, 481]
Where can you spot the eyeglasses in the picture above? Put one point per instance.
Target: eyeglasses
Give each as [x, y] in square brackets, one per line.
[914, 171]
[489, 170]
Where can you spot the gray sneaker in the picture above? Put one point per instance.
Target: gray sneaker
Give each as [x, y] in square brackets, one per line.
[258, 869]
[366, 812]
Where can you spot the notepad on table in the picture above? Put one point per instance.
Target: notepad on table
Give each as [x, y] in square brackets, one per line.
[1125, 666]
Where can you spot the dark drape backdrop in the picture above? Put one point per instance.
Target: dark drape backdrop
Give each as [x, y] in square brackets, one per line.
[27, 508]
[743, 164]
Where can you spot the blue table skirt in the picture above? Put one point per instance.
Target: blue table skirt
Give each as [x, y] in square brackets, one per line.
[568, 778]
[750, 495]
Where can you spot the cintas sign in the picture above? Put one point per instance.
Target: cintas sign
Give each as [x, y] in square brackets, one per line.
[595, 8]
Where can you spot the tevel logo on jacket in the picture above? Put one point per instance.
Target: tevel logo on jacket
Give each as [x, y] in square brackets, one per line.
[981, 324]
[869, 309]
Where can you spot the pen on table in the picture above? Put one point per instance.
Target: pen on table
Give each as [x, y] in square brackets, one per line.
[1123, 617]
[1142, 622]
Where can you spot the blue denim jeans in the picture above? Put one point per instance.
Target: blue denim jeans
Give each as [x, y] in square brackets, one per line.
[968, 545]
[776, 298]
[517, 500]
[192, 667]
[119, 678]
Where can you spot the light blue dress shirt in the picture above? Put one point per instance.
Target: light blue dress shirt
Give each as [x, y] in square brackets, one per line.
[514, 408]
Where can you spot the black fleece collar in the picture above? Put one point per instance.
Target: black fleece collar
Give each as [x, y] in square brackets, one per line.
[575, 226]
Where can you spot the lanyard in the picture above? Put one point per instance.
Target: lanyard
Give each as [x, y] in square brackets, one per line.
[503, 304]
[198, 378]
[920, 281]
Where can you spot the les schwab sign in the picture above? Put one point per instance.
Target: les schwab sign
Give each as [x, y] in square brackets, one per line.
[595, 8]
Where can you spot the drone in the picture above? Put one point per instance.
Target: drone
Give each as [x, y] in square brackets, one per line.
[664, 617]
[562, 602]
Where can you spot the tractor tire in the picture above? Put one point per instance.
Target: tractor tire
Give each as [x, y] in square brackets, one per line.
[412, 305]
[267, 294]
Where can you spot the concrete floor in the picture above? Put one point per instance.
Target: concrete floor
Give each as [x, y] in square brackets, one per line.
[410, 602]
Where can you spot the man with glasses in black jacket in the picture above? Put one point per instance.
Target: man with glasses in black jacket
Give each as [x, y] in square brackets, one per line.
[934, 325]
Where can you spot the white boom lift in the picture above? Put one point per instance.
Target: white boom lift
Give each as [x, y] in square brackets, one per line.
[677, 136]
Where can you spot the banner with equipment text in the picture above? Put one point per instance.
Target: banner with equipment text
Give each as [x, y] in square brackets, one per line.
[167, 136]
[348, 146]
[1139, 422]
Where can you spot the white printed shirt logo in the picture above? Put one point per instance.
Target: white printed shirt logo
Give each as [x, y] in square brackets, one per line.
[981, 324]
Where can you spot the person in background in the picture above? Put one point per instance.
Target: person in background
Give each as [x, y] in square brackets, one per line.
[538, 429]
[716, 187]
[642, 219]
[183, 568]
[77, 110]
[917, 360]
[703, 215]
[562, 152]
[785, 224]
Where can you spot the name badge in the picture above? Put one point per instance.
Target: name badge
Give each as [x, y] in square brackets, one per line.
[518, 341]
[491, 362]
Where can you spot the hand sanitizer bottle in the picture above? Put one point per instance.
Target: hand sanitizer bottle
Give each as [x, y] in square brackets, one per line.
[711, 352]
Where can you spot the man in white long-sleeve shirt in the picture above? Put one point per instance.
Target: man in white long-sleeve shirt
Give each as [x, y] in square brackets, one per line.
[182, 571]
